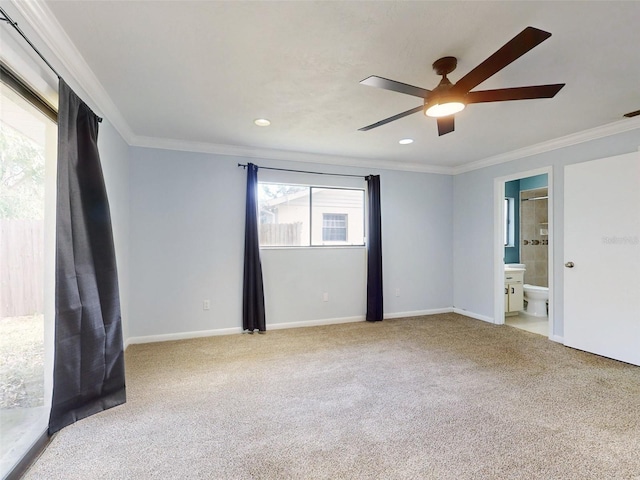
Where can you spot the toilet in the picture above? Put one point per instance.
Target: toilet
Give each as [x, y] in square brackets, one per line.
[536, 298]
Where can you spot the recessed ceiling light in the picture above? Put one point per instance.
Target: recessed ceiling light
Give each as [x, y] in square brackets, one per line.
[406, 141]
[262, 122]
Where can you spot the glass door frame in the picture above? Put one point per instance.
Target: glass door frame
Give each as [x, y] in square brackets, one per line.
[35, 437]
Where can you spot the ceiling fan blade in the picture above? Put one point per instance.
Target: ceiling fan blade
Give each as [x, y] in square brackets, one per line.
[529, 38]
[445, 125]
[374, 81]
[517, 93]
[391, 119]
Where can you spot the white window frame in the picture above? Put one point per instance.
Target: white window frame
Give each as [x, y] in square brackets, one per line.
[509, 222]
[333, 217]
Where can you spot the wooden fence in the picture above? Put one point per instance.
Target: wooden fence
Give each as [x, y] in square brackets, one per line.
[281, 234]
[21, 267]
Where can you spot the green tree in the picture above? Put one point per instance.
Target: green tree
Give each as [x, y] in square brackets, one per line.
[276, 190]
[22, 173]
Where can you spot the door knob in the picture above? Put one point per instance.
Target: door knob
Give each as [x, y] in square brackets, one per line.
[569, 264]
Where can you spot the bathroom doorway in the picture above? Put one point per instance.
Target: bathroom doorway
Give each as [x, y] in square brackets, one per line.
[524, 251]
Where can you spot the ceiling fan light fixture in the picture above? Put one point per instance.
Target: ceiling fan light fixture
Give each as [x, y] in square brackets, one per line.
[447, 99]
[443, 108]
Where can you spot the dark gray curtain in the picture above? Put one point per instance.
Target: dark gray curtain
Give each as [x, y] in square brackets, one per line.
[88, 372]
[253, 317]
[374, 252]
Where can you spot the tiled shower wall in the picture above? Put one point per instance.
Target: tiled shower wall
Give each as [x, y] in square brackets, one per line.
[534, 243]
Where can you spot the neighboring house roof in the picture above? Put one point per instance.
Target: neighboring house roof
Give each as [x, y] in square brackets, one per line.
[301, 196]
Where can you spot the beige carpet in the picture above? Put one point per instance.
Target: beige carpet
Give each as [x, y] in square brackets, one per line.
[438, 397]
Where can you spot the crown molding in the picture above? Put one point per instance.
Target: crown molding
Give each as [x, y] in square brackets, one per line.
[42, 20]
[609, 129]
[286, 155]
[595, 133]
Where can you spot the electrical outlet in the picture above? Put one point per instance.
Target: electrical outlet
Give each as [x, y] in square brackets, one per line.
[206, 305]
[397, 292]
[325, 297]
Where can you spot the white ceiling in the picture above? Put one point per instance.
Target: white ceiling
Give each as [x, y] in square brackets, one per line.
[197, 73]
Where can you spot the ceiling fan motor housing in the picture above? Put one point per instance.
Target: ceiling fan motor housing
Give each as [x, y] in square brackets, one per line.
[439, 95]
[445, 65]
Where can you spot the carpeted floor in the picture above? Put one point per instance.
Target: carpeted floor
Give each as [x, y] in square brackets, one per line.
[438, 397]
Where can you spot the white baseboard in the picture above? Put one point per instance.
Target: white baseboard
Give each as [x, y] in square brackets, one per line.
[235, 330]
[359, 318]
[477, 316]
[276, 326]
[308, 323]
[417, 313]
[315, 323]
[181, 336]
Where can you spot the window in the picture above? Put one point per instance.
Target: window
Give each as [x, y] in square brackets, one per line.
[303, 216]
[509, 222]
[334, 227]
[28, 139]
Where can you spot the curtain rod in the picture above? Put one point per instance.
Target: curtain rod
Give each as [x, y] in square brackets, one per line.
[306, 171]
[10, 21]
[6, 18]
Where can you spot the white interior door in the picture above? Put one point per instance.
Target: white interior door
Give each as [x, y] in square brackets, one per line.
[602, 255]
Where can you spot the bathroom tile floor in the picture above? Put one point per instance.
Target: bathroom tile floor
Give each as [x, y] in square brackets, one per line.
[539, 325]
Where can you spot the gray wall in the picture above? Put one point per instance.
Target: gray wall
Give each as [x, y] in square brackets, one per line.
[187, 231]
[114, 156]
[473, 219]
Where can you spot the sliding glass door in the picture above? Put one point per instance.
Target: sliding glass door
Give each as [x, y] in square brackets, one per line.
[28, 140]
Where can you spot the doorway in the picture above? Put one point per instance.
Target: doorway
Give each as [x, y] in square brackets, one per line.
[523, 231]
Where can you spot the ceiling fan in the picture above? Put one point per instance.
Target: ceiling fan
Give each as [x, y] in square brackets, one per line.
[447, 99]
